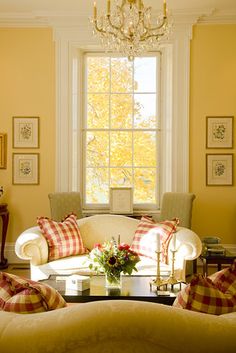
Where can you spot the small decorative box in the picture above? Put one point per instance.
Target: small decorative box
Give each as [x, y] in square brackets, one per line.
[79, 283]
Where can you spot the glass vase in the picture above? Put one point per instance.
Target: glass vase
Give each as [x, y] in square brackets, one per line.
[113, 280]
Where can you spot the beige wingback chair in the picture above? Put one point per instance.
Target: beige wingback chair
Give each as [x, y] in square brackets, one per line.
[177, 204]
[64, 203]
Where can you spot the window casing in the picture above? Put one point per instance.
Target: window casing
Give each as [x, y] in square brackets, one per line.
[121, 129]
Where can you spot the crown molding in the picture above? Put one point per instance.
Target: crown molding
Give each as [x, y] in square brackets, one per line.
[78, 19]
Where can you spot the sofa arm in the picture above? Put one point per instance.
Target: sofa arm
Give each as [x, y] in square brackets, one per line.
[31, 245]
[188, 244]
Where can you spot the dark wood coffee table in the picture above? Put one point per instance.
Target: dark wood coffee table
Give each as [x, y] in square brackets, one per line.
[133, 288]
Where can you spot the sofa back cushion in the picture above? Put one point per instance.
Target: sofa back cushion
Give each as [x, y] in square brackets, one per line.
[63, 238]
[104, 227]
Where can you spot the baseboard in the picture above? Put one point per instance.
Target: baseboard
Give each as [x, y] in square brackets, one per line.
[10, 255]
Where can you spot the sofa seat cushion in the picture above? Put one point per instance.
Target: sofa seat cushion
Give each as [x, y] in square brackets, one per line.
[63, 238]
[80, 264]
[202, 295]
[25, 296]
[145, 237]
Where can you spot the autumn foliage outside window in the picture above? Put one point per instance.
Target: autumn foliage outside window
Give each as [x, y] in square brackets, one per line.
[120, 131]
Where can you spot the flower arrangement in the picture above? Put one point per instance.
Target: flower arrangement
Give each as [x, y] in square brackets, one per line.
[112, 259]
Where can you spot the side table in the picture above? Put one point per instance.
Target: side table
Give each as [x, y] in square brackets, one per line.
[4, 214]
[218, 260]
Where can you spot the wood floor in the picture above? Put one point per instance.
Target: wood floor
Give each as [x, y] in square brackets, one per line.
[18, 269]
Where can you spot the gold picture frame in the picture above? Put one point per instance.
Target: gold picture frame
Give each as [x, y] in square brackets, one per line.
[25, 168]
[219, 131]
[219, 169]
[25, 132]
[3, 151]
[121, 200]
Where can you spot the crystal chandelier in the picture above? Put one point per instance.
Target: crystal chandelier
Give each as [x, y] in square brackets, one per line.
[128, 27]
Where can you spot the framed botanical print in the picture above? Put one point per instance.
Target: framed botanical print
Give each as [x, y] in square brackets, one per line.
[25, 132]
[25, 168]
[219, 131]
[219, 169]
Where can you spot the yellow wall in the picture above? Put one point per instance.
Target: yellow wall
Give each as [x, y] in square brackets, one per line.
[213, 93]
[27, 88]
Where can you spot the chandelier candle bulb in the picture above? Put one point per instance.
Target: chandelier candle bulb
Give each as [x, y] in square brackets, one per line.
[108, 7]
[164, 8]
[95, 10]
[140, 5]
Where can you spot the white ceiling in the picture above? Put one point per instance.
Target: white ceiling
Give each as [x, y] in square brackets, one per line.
[83, 8]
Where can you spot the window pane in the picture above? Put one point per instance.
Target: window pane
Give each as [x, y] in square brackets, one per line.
[145, 74]
[144, 185]
[144, 149]
[121, 149]
[121, 177]
[97, 190]
[121, 111]
[145, 111]
[121, 75]
[98, 111]
[98, 71]
[97, 147]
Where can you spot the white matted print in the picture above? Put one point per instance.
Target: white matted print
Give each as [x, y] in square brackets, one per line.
[25, 132]
[121, 200]
[25, 168]
[219, 169]
[219, 131]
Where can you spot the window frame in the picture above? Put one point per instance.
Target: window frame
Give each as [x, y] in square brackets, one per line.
[69, 44]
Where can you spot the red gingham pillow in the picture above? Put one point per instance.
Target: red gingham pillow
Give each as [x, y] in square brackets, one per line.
[144, 241]
[225, 279]
[202, 295]
[63, 238]
[24, 296]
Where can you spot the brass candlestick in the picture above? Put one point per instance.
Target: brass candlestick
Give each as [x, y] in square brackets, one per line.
[158, 281]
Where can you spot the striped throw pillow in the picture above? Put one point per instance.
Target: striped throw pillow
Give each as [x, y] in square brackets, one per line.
[24, 296]
[145, 237]
[63, 238]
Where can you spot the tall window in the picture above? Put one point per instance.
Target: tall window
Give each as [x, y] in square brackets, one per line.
[120, 130]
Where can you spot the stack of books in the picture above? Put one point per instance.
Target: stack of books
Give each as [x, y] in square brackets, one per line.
[215, 249]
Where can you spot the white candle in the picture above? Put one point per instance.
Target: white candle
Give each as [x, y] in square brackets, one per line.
[158, 243]
[174, 241]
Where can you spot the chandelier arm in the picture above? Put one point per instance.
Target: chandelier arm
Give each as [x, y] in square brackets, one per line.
[120, 29]
[142, 39]
[164, 21]
[100, 30]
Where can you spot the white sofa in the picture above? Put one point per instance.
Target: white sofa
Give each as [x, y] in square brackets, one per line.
[117, 326]
[31, 245]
